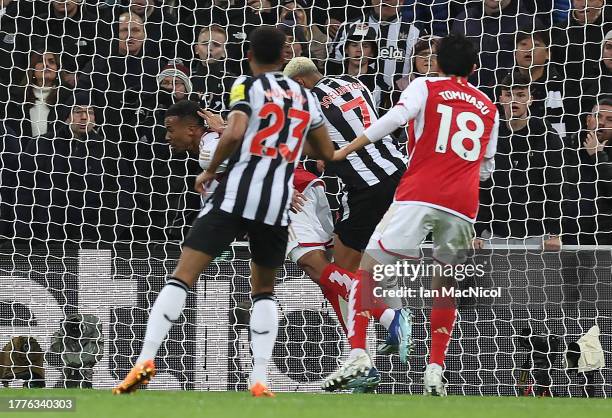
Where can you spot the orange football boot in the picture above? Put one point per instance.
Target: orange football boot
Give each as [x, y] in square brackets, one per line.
[259, 390]
[140, 374]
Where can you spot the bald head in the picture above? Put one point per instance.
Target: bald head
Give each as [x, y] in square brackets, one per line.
[303, 70]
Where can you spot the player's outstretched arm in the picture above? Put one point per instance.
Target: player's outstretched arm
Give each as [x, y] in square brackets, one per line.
[395, 118]
[355, 145]
[319, 146]
[231, 139]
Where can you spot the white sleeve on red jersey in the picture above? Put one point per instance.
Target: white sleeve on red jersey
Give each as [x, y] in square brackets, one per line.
[487, 166]
[411, 102]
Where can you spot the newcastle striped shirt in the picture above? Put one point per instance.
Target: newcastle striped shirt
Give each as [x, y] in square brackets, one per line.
[258, 181]
[348, 109]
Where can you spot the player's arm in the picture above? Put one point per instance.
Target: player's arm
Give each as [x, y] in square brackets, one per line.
[233, 134]
[407, 108]
[318, 145]
[487, 166]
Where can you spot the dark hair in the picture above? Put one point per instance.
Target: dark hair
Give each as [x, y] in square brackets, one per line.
[185, 109]
[456, 55]
[605, 100]
[36, 57]
[267, 43]
[515, 80]
[540, 35]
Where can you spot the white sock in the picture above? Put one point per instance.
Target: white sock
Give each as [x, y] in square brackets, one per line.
[166, 309]
[264, 328]
[355, 352]
[386, 318]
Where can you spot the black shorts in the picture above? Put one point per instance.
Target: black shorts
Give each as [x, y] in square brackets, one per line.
[216, 230]
[362, 209]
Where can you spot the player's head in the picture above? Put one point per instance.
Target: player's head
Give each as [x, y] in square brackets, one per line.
[600, 119]
[515, 95]
[304, 71]
[266, 48]
[184, 127]
[456, 56]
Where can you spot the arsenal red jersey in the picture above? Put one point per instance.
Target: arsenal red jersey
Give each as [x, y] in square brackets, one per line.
[303, 178]
[453, 127]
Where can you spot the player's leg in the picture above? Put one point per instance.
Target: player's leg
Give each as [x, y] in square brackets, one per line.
[452, 237]
[169, 304]
[346, 256]
[361, 212]
[397, 229]
[268, 244]
[310, 233]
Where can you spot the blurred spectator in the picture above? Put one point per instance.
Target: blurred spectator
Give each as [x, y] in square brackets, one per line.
[123, 81]
[315, 41]
[359, 59]
[492, 26]
[577, 48]
[212, 80]
[433, 14]
[295, 40]
[75, 29]
[15, 26]
[331, 14]
[162, 31]
[240, 17]
[31, 106]
[395, 38]
[11, 155]
[74, 186]
[520, 203]
[601, 85]
[532, 60]
[560, 10]
[424, 61]
[588, 178]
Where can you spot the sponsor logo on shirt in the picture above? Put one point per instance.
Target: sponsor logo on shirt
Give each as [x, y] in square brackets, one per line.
[391, 52]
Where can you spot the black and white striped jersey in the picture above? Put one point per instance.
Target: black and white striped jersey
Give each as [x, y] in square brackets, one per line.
[395, 40]
[348, 109]
[259, 176]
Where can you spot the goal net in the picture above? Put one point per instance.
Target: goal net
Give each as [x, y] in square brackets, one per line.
[94, 204]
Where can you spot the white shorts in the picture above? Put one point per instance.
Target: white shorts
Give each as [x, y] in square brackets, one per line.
[312, 228]
[405, 226]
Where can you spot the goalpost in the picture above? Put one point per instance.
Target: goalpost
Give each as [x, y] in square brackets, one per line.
[44, 279]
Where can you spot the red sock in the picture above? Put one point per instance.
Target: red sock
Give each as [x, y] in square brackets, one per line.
[359, 306]
[335, 283]
[442, 320]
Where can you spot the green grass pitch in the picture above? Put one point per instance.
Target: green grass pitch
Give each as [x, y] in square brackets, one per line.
[170, 404]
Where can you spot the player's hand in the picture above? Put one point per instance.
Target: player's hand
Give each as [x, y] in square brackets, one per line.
[203, 180]
[215, 122]
[297, 202]
[478, 243]
[320, 166]
[552, 244]
[592, 144]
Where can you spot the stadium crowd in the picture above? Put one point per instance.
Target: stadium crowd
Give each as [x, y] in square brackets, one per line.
[84, 86]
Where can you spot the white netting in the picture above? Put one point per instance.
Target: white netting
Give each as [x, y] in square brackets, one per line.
[93, 204]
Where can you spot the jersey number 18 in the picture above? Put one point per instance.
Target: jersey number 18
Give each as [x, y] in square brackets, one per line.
[462, 132]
